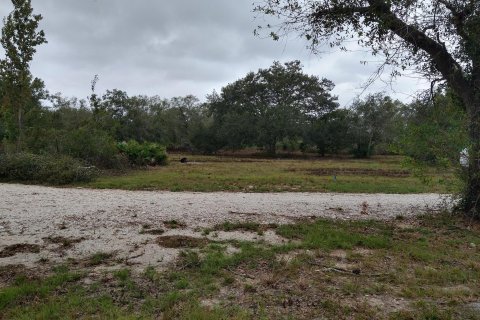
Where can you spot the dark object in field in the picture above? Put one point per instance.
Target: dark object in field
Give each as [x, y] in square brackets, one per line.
[184, 160]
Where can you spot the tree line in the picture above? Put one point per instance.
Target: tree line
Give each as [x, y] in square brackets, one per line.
[278, 109]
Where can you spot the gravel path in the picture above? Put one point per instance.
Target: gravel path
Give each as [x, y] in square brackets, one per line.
[113, 220]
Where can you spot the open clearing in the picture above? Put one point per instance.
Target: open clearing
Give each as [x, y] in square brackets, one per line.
[381, 174]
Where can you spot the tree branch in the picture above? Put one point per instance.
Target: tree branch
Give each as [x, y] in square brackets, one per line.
[442, 59]
[458, 18]
[318, 14]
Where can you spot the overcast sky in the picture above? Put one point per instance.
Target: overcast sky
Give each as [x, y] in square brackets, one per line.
[174, 48]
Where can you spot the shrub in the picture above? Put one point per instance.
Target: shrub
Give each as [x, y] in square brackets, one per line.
[94, 146]
[50, 169]
[143, 154]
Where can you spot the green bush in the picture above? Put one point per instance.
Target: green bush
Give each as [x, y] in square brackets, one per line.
[91, 145]
[143, 154]
[94, 146]
[50, 169]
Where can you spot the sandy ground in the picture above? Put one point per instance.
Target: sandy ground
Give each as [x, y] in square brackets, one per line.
[113, 220]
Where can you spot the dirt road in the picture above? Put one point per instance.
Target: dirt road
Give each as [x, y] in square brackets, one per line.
[53, 224]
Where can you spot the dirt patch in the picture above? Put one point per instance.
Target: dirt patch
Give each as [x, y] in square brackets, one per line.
[155, 232]
[387, 303]
[339, 254]
[63, 241]
[12, 250]
[181, 242]
[8, 274]
[359, 172]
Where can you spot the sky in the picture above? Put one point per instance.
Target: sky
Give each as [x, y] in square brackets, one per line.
[175, 48]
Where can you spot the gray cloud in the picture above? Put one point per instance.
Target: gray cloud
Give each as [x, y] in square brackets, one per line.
[172, 48]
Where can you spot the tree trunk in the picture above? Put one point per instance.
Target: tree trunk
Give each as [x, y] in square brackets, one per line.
[20, 129]
[471, 197]
[272, 148]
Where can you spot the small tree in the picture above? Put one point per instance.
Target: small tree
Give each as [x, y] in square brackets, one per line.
[19, 40]
[373, 123]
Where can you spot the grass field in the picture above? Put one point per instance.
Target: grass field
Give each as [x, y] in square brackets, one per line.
[420, 269]
[208, 173]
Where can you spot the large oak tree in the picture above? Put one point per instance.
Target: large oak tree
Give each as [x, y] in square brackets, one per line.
[439, 39]
[270, 105]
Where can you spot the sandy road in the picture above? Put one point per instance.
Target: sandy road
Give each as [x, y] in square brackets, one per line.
[112, 220]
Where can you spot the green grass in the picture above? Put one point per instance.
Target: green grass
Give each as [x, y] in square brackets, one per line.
[208, 174]
[429, 267]
[322, 234]
[26, 290]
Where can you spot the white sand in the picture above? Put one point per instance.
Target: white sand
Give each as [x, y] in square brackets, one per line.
[111, 220]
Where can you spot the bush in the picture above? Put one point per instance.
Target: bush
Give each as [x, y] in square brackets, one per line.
[143, 154]
[56, 170]
[94, 146]
[87, 143]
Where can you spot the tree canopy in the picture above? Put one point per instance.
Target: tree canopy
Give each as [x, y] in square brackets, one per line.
[271, 104]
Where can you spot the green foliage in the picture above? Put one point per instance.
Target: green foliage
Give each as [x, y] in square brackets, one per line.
[205, 139]
[19, 40]
[435, 131]
[330, 133]
[143, 154]
[93, 146]
[52, 169]
[373, 123]
[271, 105]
